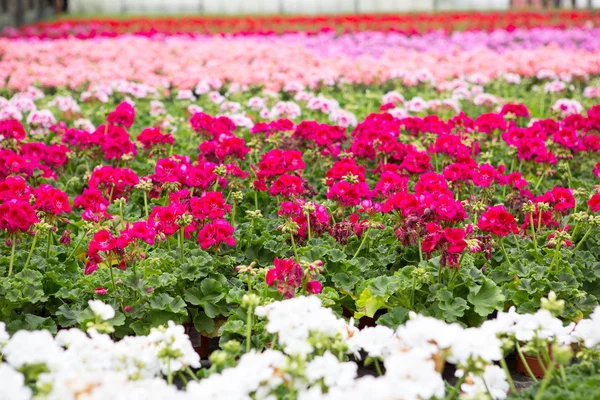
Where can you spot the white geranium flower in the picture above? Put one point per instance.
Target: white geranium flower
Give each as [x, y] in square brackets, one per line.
[377, 341]
[104, 311]
[331, 370]
[32, 348]
[12, 384]
[4, 336]
[495, 379]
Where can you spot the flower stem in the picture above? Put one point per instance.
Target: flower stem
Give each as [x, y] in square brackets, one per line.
[12, 256]
[169, 373]
[121, 222]
[378, 368]
[511, 383]
[504, 251]
[112, 279]
[31, 250]
[191, 373]
[525, 364]
[533, 237]
[412, 292]
[146, 203]
[308, 225]
[249, 317]
[544, 384]
[556, 251]
[233, 215]
[49, 243]
[76, 246]
[181, 239]
[362, 243]
[587, 233]
[294, 246]
[420, 250]
[517, 243]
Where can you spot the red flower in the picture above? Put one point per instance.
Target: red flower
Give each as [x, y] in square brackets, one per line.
[210, 205]
[498, 221]
[12, 129]
[456, 240]
[102, 241]
[123, 115]
[287, 186]
[594, 202]
[288, 274]
[153, 137]
[51, 200]
[314, 287]
[17, 216]
[215, 233]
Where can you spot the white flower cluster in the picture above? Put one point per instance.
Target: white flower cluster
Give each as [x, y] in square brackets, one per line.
[92, 366]
[76, 364]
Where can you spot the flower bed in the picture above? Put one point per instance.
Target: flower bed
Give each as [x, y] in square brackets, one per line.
[273, 193]
[269, 25]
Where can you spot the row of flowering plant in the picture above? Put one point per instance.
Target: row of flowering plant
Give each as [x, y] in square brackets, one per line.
[172, 208]
[311, 354]
[269, 25]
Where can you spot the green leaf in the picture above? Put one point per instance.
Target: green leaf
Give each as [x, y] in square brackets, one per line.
[368, 304]
[203, 323]
[486, 298]
[394, 317]
[193, 296]
[164, 302]
[212, 290]
[336, 255]
[381, 286]
[453, 309]
[344, 281]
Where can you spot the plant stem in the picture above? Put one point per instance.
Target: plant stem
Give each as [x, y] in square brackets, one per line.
[233, 215]
[191, 373]
[587, 233]
[362, 243]
[420, 250]
[112, 279]
[412, 292]
[457, 386]
[112, 190]
[48, 245]
[169, 373]
[146, 203]
[294, 246]
[556, 251]
[504, 251]
[76, 246]
[454, 273]
[31, 250]
[308, 225]
[487, 388]
[511, 383]
[544, 384]
[122, 222]
[533, 237]
[525, 364]
[12, 256]
[377, 367]
[181, 239]
[517, 243]
[563, 374]
[249, 318]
